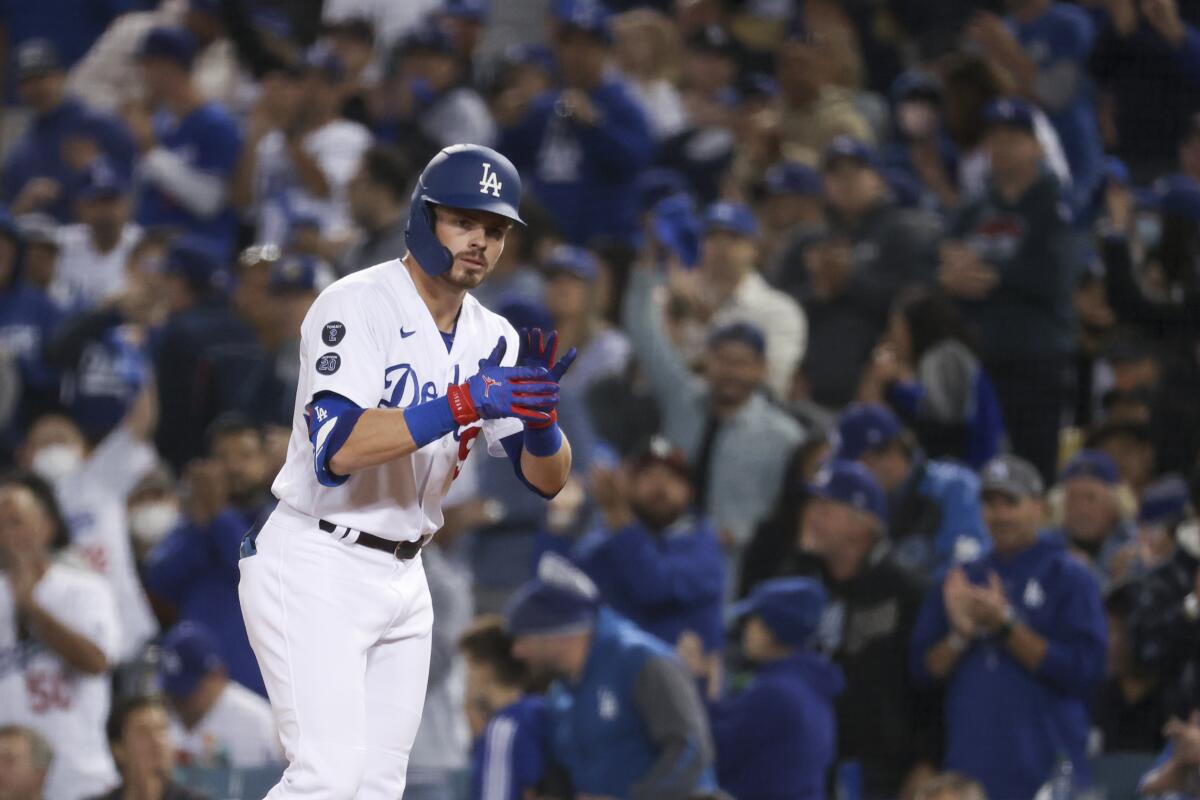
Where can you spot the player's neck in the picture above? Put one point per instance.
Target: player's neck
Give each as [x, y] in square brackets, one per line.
[442, 300]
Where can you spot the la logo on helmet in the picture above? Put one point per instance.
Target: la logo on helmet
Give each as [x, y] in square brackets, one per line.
[490, 182]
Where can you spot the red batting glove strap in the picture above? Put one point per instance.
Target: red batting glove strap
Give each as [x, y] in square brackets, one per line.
[540, 424]
[461, 405]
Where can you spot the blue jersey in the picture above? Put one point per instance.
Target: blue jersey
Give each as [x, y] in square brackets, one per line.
[207, 140]
[509, 757]
[1035, 717]
[38, 154]
[583, 175]
[1060, 43]
[107, 379]
[666, 583]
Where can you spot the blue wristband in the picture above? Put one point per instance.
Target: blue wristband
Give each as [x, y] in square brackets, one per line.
[543, 442]
[428, 422]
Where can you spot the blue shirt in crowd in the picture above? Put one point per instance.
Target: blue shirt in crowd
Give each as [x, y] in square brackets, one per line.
[1006, 726]
[583, 175]
[666, 583]
[778, 739]
[509, 758]
[207, 140]
[948, 524]
[38, 154]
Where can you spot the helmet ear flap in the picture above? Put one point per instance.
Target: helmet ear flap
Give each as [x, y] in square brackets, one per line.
[421, 237]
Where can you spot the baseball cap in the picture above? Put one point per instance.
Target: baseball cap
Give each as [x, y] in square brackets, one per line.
[744, 332]
[659, 450]
[101, 180]
[727, 215]
[915, 83]
[864, 427]
[657, 183]
[1178, 195]
[713, 39]
[1164, 502]
[677, 228]
[476, 10]
[576, 261]
[791, 177]
[1010, 112]
[1116, 171]
[589, 16]
[847, 148]
[1011, 475]
[852, 484]
[171, 44]
[1091, 464]
[190, 651]
[323, 60]
[526, 53]
[561, 600]
[294, 273]
[790, 607]
[196, 261]
[34, 58]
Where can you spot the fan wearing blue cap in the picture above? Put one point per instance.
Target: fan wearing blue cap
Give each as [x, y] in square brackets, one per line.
[934, 512]
[778, 737]
[626, 719]
[190, 147]
[1019, 638]
[217, 722]
[729, 258]
[583, 144]
[464, 22]
[1094, 520]
[790, 208]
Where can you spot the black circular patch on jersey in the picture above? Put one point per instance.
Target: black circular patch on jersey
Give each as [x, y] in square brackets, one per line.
[329, 363]
[332, 333]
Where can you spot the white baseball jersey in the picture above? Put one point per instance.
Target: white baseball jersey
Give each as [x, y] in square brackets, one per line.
[38, 689]
[370, 338]
[238, 731]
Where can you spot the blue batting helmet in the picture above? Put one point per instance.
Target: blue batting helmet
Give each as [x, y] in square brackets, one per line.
[460, 176]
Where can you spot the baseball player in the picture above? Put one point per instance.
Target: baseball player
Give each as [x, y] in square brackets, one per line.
[401, 371]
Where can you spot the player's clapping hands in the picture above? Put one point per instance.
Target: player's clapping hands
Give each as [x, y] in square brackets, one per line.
[538, 351]
[527, 392]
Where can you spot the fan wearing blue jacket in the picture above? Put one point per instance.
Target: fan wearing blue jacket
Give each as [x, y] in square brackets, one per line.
[626, 720]
[777, 739]
[1019, 638]
[653, 560]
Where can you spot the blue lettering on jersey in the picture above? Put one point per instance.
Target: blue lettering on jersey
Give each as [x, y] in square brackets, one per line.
[407, 390]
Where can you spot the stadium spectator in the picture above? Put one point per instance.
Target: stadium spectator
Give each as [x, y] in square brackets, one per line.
[894, 247]
[934, 515]
[64, 620]
[736, 443]
[39, 257]
[91, 484]
[1008, 262]
[843, 326]
[581, 146]
[778, 737]
[921, 149]
[1019, 638]
[215, 722]
[25, 758]
[1094, 524]
[625, 719]
[791, 209]
[1131, 446]
[188, 146]
[378, 197]
[884, 721]
[1175, 770]
[1043, 46]
[43, 170]
[1131, 707]
[153, 509]
[926, 370]
[140, 737]
[201, 352]
[1164, 507]
[194, 570]
[652, 559]
[648, 52]
[950, 786]
[509, 725]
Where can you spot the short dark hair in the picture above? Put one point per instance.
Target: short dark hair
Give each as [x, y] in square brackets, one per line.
[387, 166]
[43, 492]
[487, 642]
[231, 423]
[121, 712]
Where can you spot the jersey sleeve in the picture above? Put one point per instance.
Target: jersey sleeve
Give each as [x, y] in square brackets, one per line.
[495, 430]
[497, 765]
[342, 347]
[90, 611]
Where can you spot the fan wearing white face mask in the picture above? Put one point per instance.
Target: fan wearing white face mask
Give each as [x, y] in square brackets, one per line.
[92, 485]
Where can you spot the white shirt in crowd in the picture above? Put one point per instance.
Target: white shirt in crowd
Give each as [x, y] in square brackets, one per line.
[238, 731]
[337, 147]
[40, 690]
[83, 276]
[93, 503]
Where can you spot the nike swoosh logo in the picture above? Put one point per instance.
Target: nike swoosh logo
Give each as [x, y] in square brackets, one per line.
[405, 334]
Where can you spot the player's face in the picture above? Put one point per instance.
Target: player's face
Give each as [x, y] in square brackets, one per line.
[25, 527]
[19, 778]
[475, 239]
[145, 746]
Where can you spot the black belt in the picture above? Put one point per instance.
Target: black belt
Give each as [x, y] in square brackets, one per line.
[404, 551]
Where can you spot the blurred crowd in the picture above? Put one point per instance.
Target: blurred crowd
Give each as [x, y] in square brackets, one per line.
[884, 420]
